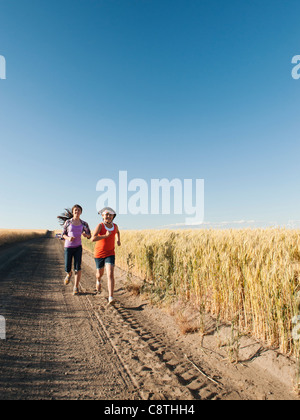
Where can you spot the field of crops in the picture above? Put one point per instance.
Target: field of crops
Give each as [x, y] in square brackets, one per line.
[249, 276]
[18, 235]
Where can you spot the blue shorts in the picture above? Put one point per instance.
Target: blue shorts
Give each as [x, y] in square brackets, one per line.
[73, 254]
[101, 262]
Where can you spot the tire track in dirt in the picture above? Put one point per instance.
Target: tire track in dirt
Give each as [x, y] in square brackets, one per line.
[159, 371]
[157, 367]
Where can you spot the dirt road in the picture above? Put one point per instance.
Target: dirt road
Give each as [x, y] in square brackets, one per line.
[59, 346]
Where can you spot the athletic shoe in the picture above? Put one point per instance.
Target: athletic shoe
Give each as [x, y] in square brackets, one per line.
[68, 279]
[111, 301]
[98, 287]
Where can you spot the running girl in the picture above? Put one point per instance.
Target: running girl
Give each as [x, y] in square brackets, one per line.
[73, 228]
[104, 236]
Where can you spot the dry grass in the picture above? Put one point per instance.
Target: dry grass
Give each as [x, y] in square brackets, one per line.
[250, 276]
[8, 236]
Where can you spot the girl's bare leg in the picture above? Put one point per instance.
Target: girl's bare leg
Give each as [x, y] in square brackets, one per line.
[110, 271]
[77, 279]
[99, 275]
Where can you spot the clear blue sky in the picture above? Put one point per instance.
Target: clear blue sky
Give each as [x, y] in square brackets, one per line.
[160, 88]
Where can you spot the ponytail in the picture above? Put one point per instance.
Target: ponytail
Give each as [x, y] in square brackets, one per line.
[68, 214]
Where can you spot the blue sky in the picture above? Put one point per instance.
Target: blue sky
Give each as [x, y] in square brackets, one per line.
[188, 89]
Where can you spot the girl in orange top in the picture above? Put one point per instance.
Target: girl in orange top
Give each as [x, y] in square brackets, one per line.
[104, 236]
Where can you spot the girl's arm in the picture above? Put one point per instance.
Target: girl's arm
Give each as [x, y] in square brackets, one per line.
[86, 231]
[96, 237]
[118, 236]
[68, 238]
[65, 233]
[85, 235]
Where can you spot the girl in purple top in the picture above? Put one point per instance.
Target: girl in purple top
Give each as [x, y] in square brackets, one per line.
[73, 228]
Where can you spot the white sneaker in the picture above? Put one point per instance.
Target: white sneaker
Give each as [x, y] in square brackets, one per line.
[111, 300]
[98, 287]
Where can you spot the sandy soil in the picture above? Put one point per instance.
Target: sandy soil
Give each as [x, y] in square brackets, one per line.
[63, 347]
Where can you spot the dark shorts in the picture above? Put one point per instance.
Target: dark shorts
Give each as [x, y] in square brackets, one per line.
[101, 262]
[70, 254]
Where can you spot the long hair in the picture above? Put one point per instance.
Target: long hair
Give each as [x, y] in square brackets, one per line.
[68, 214]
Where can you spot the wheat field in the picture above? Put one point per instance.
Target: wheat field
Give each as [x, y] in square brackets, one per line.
[8, 236]
[250, 276]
